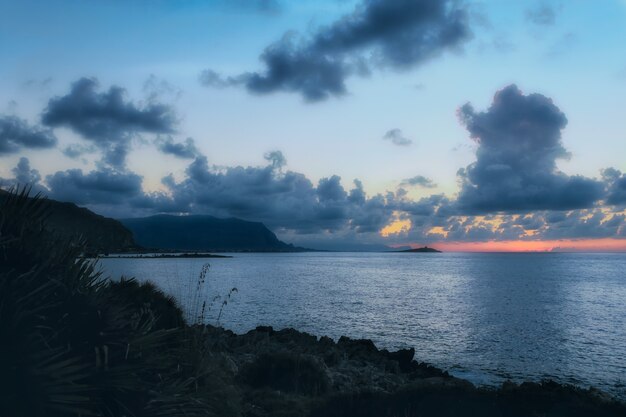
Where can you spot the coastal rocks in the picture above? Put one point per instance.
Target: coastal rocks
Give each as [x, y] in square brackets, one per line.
[287, 373]
[291, 361]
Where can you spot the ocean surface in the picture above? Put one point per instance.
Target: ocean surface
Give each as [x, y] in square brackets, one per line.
[487, 317]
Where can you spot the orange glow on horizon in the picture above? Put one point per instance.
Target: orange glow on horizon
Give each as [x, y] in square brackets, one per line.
[587, 245]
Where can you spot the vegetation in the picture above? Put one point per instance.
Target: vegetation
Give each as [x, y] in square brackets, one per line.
[74, 344]
[99, 234]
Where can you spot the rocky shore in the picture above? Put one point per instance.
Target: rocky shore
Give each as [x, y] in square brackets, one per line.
[290, 373]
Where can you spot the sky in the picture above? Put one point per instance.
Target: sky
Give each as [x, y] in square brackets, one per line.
[340, 124]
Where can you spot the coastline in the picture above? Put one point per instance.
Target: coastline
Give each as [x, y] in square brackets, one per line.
[291, 373]
[159, 256]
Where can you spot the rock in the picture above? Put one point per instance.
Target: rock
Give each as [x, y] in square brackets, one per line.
[404, 357]
[291, 373]
[287, 372]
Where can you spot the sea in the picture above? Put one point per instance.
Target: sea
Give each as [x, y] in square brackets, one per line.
[485, 317]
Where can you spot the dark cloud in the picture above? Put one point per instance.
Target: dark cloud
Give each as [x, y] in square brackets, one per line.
[16, 134]
[397, 34]
[276, 159]
[24, 174]
[590, 224]
[396, 137]
[107, 118]
[292, 205]
[519, 142]
[185, 150]
[286, 201]
[104, 186]
[419, 181]
[616, 184]
[541, 14]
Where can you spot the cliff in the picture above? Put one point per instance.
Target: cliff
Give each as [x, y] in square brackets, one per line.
[205, 233]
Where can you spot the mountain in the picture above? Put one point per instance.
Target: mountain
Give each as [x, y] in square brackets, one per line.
[425, 249]
[100, 234]
[205, 233]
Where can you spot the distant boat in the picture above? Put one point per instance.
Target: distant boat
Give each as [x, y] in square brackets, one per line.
[425, 249]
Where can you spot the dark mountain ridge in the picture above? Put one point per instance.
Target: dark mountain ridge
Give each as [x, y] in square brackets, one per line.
[205, 233]
[100, 234]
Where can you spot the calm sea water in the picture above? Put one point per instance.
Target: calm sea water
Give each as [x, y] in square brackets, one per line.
[484, 317]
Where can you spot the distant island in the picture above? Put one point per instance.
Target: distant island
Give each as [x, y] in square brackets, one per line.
[425, 249]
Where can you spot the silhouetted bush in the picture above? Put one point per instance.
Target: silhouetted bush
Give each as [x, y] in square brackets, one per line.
[73, 344]
[146, 295]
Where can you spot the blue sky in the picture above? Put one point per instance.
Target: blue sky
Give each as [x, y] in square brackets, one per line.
[570, 52]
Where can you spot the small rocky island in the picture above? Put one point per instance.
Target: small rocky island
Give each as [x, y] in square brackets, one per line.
[425, 249]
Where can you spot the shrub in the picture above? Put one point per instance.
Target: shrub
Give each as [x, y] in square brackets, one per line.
[74, 345]
[146, 295]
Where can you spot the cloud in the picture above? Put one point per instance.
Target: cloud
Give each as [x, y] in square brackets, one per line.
[325, 213]
[519, 142]
[541, 14]
[210, 78]
[16, 135]
[24, 174]
[616, 184]
[592, 224]
[107, 118]
[285, 201]
[396, 34]
[156, 88]
[419, 181]
[76, 150]
[396, 137]
[104, 186]
[185, 150]
[276, 159]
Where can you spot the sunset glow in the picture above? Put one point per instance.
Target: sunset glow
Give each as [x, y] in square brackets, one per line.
[396, 227]
[587, 245]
